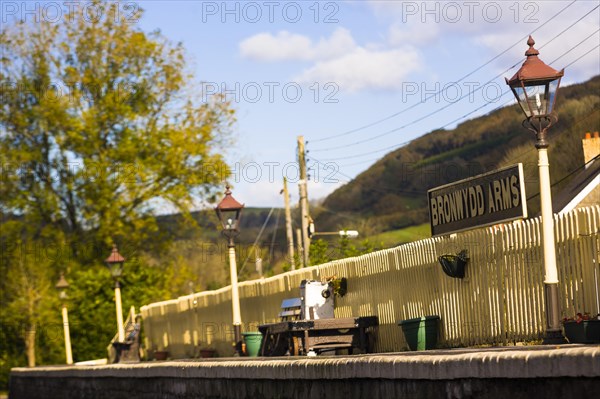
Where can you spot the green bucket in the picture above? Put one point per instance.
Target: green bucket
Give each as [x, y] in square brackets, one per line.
[253, 339]
[421, 333]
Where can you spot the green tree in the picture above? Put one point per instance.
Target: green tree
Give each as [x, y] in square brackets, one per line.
[92, 303]
[30, 284]
[99, 126]
[321, 251]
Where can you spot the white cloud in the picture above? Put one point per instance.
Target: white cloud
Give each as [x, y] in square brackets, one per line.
[401, 35]
[283, 46]
[266, 194]
[338, 59]
[493, 26]
[286, 46]
[565, 49]
[365, 69]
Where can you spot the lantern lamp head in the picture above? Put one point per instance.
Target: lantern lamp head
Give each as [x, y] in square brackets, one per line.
[62, 285]
[229, 212]
[114, 262]
[535, 85]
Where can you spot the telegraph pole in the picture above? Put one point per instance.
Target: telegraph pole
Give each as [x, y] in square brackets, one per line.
[288, 224]
[302, 185]
[299, 243]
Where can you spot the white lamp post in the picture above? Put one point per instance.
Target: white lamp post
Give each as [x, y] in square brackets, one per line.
[229, 212]
[114, 262]
[62, 285]
[535, 86]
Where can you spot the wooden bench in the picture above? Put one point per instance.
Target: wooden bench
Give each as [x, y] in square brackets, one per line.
[290, 309]
[299, 337]
[128, 351]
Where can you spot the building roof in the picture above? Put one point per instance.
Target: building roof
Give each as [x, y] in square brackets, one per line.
[579, 188]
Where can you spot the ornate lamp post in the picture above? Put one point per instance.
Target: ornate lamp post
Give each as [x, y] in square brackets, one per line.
[535, 86]
[62, 285]
[229, 212]
[114, 262]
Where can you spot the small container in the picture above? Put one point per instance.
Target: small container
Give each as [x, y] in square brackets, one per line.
[253, 340]
[421, 333]
[161, 355]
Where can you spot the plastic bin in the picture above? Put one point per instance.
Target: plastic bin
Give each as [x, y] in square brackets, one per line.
[584, 332]
[421, 333]
[253, 340]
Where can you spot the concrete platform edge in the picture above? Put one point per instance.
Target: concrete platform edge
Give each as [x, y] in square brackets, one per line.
[540, 362]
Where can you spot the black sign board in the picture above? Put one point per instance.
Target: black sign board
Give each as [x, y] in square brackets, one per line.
[486, 199]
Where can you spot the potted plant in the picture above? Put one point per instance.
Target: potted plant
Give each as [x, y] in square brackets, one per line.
[207, 352]
[161, 354]
[582, 329]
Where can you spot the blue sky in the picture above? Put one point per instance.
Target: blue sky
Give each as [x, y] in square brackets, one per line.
[326, 69]
[356, 63]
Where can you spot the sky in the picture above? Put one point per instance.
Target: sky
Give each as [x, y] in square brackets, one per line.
[358, 79]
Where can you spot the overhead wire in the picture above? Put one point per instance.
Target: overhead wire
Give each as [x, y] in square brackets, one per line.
[482, 106]
[274, 234]
[459, 80]
[380, 188]
[388, 148]
[571, 173]
[508, 91]
[470, 93]
[257, 239]
[487, 104]
[386, 189]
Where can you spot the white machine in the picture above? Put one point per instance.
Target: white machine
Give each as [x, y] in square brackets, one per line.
[317, 300]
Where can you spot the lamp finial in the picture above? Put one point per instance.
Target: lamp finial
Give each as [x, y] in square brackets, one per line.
[531, 50]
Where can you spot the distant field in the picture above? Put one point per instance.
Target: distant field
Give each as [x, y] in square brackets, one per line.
[396, 237]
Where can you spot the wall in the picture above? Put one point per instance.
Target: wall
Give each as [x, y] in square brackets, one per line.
[500, 300]
[569, 371]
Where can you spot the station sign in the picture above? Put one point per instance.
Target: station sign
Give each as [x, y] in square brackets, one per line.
[483, 200]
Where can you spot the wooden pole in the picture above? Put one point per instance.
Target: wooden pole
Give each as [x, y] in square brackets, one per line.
[288, 224]
[302, 185]
[299, 244]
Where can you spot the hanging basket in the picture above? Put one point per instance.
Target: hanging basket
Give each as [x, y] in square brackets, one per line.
[454, 265]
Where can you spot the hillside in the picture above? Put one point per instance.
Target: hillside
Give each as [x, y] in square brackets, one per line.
[392, 193]
[200, 250]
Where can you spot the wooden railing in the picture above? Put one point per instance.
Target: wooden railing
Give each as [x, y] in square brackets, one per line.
[499, 301]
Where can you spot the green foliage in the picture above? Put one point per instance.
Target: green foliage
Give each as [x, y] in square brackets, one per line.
[392, 194]
[126, 132]
[321, 251]
[408, 234]
[92, 304]
[100, 124]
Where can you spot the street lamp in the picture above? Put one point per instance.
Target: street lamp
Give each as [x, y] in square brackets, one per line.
[62, 285]
[535, 86]
[229, 212]
[114, 262]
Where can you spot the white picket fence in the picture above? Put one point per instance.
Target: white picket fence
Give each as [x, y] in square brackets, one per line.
[500, 300]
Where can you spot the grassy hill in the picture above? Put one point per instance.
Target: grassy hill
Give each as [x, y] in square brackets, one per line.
[394, 238]
[392, 194]
[200, 251]
[387, 203]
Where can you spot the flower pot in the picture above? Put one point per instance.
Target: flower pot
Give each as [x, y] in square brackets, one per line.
[584, 332]
[253, 341]
[207, 352]
[454, 265]
[421, 333]
[161, 355]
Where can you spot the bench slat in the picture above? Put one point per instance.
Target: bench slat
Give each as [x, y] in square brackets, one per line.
[291, 303]
[287, 313]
